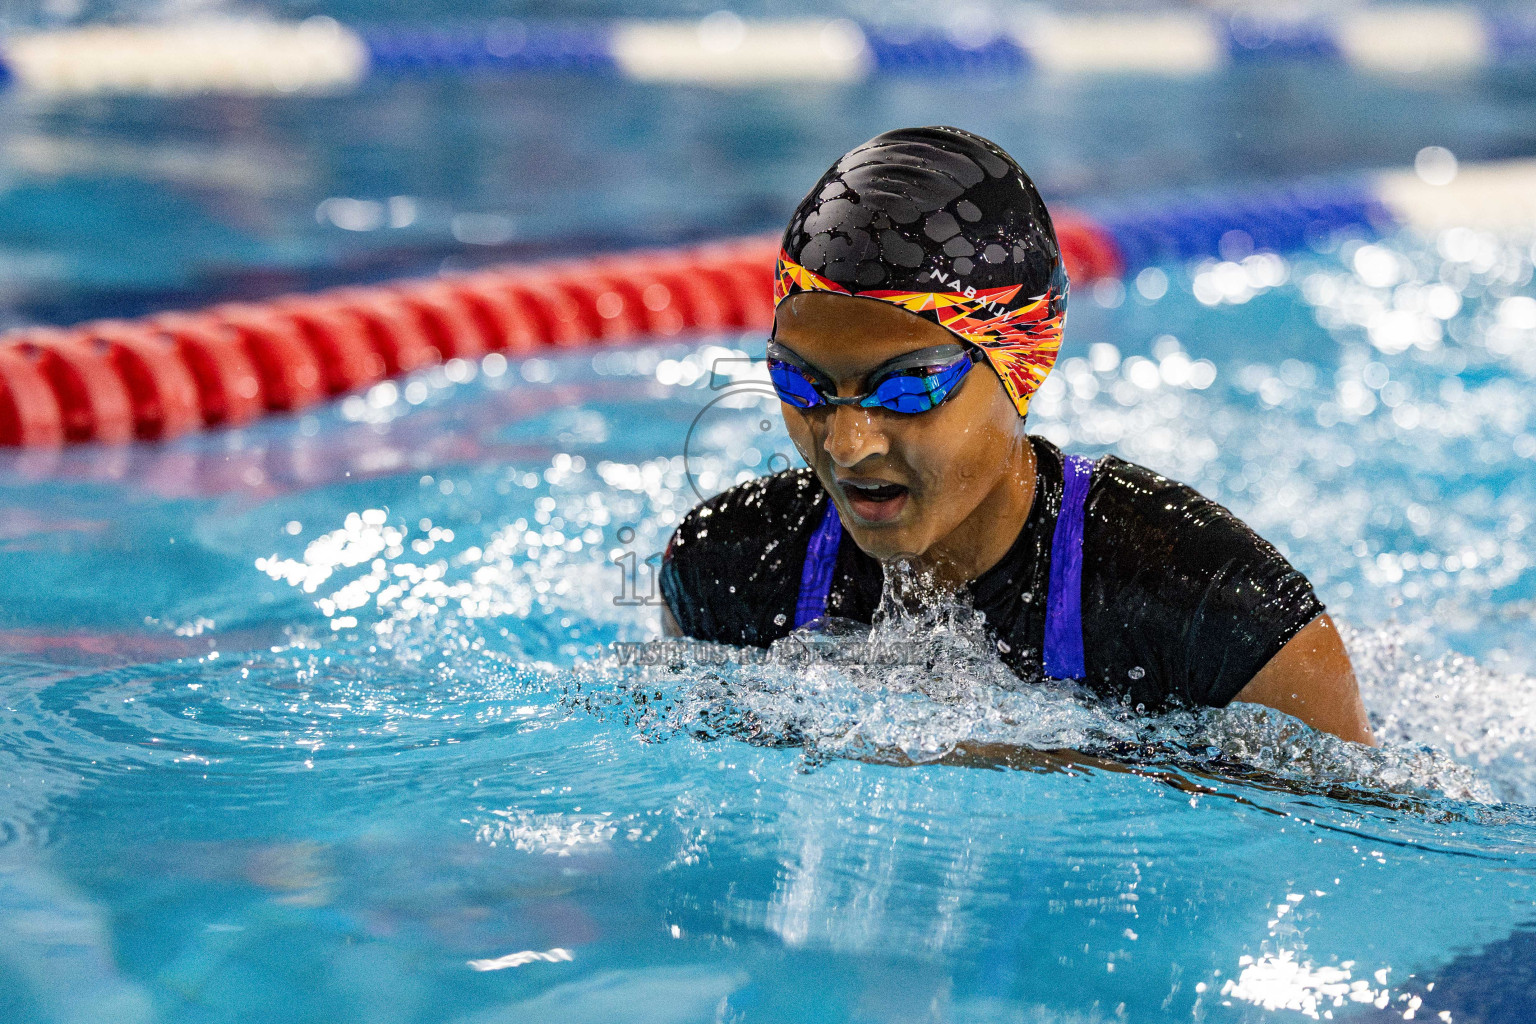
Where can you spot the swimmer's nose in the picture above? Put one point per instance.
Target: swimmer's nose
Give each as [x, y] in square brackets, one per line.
[852, 436]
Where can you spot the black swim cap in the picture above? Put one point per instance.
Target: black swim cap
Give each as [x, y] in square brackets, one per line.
[946, 225]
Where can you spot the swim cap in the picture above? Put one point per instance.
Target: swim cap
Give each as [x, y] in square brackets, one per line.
[946, 225]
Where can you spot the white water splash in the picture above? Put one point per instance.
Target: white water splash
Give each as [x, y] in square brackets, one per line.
[925, 687]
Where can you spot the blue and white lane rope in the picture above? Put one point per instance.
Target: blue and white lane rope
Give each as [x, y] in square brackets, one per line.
[320, 54]
[1433, 197]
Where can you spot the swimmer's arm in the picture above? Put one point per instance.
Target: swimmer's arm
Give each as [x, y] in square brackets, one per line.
[972, 754]
[669, 626]
[1311, 678]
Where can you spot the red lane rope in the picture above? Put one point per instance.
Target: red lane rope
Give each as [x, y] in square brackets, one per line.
[156, 378]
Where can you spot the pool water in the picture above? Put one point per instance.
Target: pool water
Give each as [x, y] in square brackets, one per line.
[325, 719]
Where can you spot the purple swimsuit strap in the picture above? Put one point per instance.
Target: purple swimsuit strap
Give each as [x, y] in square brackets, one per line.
[820, 559]
[1064, 599]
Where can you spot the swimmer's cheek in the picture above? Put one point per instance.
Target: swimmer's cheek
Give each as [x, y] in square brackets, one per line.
[669, 626]
[1311, 679]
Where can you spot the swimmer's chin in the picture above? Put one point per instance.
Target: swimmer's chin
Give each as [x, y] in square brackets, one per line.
[900, 551]
[884, 544]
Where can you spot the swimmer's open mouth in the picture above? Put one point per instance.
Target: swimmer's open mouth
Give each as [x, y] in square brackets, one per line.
[874, 492]
[874, 500]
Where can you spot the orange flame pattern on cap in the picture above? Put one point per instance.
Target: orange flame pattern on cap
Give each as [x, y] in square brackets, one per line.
[1020, 342]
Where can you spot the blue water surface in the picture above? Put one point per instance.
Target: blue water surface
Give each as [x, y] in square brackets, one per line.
[319, 720]
[322, 720]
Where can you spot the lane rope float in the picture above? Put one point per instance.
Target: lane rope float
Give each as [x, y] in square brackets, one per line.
[723, 50]
[158, 377]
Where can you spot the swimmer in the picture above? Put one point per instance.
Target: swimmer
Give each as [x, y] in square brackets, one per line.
[920, 298]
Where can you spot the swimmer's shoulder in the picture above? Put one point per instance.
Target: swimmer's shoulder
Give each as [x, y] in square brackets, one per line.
[1127, 498]
[1182, 598]
[1160, 514]
[752, 516]
[731, 571]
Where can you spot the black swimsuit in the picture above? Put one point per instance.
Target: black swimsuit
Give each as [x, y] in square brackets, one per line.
[1181, 601]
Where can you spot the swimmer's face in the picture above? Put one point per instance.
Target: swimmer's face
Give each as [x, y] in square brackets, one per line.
[905, 485]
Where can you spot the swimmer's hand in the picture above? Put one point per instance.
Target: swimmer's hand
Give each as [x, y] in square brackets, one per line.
[973, 754]
[1311, 678]
[1067, 762]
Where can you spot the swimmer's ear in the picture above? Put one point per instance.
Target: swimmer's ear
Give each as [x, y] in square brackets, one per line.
[781, 312]
[1001, 400]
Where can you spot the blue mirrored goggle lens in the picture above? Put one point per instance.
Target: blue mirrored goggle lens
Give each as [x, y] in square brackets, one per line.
[794, 387]
[904, 393]
[917, 392]
[908, 392]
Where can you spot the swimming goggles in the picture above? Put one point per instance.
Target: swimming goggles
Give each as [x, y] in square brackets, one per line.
[913, 383]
